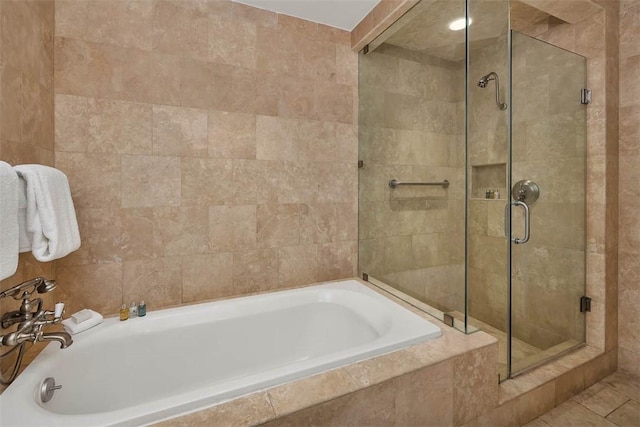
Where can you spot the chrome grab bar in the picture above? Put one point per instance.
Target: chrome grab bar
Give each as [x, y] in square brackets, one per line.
[394, 183]
[527, 222]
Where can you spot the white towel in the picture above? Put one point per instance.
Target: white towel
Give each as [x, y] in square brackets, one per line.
[91, 319]
[51, 220]
[8, 221]
[24, 241]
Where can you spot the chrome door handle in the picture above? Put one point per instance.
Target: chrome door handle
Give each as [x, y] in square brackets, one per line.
[527, 222]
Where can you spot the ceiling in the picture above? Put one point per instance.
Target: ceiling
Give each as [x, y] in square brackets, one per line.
[344, 14]
[428, 30]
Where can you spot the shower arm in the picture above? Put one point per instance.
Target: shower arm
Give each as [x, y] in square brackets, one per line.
[501, 105]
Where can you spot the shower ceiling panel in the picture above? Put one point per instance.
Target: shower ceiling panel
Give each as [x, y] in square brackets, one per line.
[430, 33]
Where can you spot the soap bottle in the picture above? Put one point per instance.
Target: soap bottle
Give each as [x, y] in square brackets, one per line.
[496, 194]
[133, 310]
[124, 312]
[142, 309]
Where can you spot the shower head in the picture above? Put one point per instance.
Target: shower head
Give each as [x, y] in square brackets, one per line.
[484, 80]
[46, 286]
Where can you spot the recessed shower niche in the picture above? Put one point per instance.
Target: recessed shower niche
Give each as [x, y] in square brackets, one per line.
[439, 104]
[489, 178]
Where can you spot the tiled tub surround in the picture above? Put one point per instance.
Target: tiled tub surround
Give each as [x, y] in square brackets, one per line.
[223, 349]
[211, 149]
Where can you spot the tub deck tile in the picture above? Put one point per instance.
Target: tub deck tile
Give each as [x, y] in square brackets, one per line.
[252, 409]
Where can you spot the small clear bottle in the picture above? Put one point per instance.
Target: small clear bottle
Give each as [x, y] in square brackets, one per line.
[133, 310]
[124, 312]
[142, 309]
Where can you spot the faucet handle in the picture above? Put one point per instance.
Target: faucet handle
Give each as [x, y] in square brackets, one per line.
[59, 309]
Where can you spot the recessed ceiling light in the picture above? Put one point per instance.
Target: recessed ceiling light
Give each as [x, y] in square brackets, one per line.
[458, 24]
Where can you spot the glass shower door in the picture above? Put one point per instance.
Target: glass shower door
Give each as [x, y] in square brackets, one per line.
[547, 201]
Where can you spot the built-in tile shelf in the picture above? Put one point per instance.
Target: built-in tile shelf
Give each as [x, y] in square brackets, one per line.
[488, 177]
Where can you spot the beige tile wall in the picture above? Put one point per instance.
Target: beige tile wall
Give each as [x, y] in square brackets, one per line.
[629, 242]
[211, 149]
[411, 130]
[26, 106]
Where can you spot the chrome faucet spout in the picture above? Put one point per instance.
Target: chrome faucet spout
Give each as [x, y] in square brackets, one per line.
[63, 338]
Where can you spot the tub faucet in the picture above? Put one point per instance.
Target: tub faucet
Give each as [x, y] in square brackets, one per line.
[31, 319]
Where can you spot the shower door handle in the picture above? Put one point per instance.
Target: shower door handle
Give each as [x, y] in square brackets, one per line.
[527, 221]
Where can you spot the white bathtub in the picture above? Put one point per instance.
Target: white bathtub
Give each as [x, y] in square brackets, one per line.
[181, 360]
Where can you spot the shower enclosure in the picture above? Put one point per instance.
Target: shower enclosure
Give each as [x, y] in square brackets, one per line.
[472, 178]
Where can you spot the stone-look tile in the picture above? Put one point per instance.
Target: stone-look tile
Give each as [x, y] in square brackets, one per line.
[150, 181]
[118, 127]
[569, 384]
[232, 135]
[255, 91]
[206, 85]
[625, 384]
[539, 401]
[179, 131]
[180, 230]
[232, 42]
[475, 386]
[276, 139]
[318, 59]
[256, 182]
[94, 178]
[629, 86]
[337, 260]
[296, 99]
[181, 28]
[11, 103]
[72, 123]
[628, 415]
[328, 222]
[292, 397]
[277, 225]
[434, 384]
[156, 281]
[383, 368]
[255, 270]
[232, 228]
[71, 18]
[629, 29]
[252, 410]
[298, 265]
[96, 286]
[207, 276]
[368, 407]
[600, 399]
[572, 413]
[277, 51]
[165, 78]
[124, 23]
[334, 103]
[206, 181]
[112, 235]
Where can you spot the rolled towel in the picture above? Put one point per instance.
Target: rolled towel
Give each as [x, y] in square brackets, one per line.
[51, 220]
[8, 221]
[81, 321]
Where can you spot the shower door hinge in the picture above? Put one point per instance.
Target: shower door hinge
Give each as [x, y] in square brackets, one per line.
[365, 49]
[585, 304]
[585, 96]
[360, 164]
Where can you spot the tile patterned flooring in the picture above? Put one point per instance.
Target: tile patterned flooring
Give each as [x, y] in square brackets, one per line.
[612, 402]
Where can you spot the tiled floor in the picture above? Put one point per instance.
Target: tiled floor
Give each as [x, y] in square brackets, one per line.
[614, 401]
